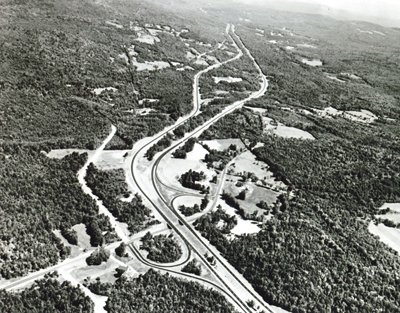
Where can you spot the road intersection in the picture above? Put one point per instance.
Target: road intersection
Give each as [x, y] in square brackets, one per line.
[224, 277]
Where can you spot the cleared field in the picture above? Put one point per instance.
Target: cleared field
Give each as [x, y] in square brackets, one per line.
[98, 91]
[234, 184]
[291, 132]
[394, 213]
[285, 131]
[108, 159]
[258, 110]
[112, 159]
[395, 216]
[150, 66]
[387, 235]
[222, 144]
[170, 168]
[362, 116]
[247, 162]
[75, 250]
[243, 226]
[227, 79]
[395, 207]
[313, 62]
[83, 237]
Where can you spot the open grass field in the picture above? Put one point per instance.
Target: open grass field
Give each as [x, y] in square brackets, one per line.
[170, 168]
[243, 226]
[387, 235]
[222, 144]
[83, 237]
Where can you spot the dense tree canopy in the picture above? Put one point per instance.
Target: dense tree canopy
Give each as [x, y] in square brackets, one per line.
[110, 186]
[40, 195]
[161, 248]
[161, 293]
[317, 244]
[47, 295]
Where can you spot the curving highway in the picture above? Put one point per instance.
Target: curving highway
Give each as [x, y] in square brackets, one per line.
[227, 278]
[224, 277]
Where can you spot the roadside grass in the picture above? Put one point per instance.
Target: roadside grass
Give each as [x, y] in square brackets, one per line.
[104, 271]
[75, 249]
[83, 237]
[187, 201]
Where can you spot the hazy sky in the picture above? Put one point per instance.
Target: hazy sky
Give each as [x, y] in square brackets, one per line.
[384, 12]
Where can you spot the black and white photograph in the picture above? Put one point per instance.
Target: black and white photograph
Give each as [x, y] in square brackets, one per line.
[199, 156]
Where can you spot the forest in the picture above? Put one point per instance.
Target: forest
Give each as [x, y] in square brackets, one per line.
[317, 245]
[161, 248]
[47, 295]
[100, 231]
[40, 195]
[50, 98]
[207, 226]
[54, 54]
[241, 123]
[349, 171]
[110, 186]
[158, 292]
[313, 250]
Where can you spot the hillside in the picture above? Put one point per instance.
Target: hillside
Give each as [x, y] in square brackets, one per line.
[71, 69]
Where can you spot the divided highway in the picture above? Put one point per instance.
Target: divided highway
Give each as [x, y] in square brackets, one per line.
[227, 278]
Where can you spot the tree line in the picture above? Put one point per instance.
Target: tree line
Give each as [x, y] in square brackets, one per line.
[158, 292]
[110, 186]
[41, 195]
[47, 295]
